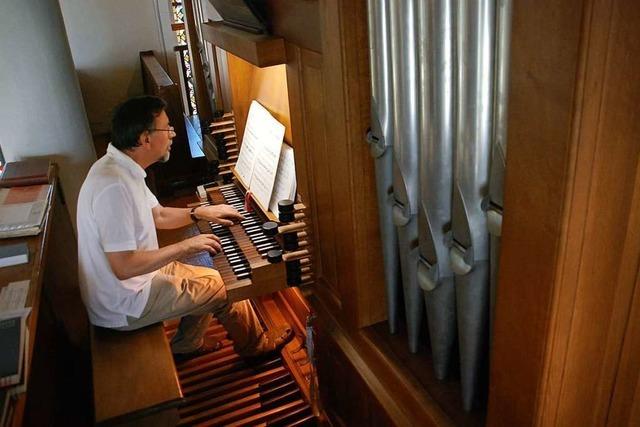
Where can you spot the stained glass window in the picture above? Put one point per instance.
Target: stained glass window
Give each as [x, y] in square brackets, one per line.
[177, 10]
[181, 35]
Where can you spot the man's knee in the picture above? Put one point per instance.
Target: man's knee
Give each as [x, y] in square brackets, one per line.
[214, 281]
[208, 289]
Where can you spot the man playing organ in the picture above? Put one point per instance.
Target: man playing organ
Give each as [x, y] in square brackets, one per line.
[127, 281]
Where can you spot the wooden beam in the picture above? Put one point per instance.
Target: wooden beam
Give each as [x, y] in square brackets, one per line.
[259, 49]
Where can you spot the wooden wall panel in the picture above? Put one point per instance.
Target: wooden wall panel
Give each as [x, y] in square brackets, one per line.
[265, 85]
[319, 150]
[610, 240]
[535, 190]
[334, 100]
[625, 398]
[370, 294]
[345, 394]
[571, 248]
[297, 21]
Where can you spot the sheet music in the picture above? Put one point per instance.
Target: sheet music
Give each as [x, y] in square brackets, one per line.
[266, 163]
[14, 296]
[260, 153]
[285, 183]
[250, 144]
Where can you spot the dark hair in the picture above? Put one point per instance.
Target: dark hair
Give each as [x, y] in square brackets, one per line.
[133, 117]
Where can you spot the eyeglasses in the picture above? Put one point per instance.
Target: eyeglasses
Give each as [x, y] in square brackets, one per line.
[170, 129]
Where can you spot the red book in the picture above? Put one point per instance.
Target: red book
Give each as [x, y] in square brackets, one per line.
[27, 172]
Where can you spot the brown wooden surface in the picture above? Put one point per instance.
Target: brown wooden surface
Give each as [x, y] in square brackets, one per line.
[61, 289]
[259, 49]
[264, 280]
[133, 374]
[34, 272]
[362, 384]
[265, 85]
[298, 22]
[564, 343]
[330, 92]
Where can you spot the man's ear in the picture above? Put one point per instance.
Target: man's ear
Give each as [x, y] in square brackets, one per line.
[144, 139]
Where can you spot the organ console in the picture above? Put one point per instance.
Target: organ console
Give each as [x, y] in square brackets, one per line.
[259, 256]
[262, 253]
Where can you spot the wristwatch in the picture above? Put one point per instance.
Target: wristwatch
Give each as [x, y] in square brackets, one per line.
[193, 214]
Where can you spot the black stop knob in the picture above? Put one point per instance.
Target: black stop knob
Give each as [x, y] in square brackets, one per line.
[274, 256]
[270, 228]
[285, 205]
[290, 241]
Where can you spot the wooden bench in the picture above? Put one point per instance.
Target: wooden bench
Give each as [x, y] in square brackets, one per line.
[134, 377]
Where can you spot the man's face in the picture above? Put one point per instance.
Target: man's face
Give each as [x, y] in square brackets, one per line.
[161, 136]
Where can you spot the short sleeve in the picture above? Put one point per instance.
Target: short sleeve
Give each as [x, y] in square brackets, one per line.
[152, 201]
[114, 214]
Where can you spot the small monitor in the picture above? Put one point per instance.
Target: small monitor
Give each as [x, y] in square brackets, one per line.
[248, 15]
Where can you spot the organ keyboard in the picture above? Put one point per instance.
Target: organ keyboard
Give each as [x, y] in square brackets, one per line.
[259, 255]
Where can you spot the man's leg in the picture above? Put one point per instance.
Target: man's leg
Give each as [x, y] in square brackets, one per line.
[190, 333]
[180, 290]
[239, 318]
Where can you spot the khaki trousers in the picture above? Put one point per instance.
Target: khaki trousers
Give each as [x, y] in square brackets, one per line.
[195, 294]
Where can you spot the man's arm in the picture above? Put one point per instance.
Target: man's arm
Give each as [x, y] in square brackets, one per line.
[128, 264]
[168, 218]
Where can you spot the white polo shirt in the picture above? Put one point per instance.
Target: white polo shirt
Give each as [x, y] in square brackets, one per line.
[114, 214]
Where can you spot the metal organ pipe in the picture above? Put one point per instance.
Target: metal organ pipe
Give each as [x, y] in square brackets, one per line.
[439, 98]
[499, 149]
[380, 138]
[435, 276]
[470, 249]
[404, 55]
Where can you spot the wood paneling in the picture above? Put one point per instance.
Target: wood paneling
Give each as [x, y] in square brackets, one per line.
[570, 246]
[297, 21]
[265, 85]
[625, 399]
[319, 158]
[362, 385]
[259, 49]
[334, 96]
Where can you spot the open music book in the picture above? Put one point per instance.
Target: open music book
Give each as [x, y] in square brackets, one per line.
[266, 165]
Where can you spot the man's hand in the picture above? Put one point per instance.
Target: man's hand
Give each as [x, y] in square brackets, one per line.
[201, 242]
[128, 264]
[220, 214]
